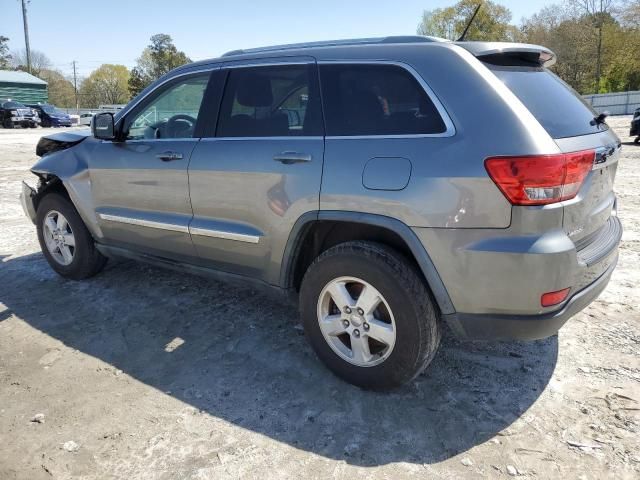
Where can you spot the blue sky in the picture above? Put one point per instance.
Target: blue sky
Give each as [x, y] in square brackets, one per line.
[117, 31]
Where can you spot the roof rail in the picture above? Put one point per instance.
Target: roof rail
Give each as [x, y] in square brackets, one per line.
[336, 43]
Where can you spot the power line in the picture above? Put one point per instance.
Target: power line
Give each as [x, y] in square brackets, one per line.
[75, 84]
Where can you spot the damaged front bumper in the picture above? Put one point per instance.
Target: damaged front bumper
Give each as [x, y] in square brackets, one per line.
[27, 200]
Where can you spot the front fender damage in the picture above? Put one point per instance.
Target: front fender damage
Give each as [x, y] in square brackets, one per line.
[63, 170]
[59, 141]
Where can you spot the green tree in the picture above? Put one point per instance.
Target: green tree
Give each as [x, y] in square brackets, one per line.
[491, 23]
[621, 65]
[5, 57]
[597, 52]
[108, 84]
[569, 36]
[61, 91]
[598, 12]
[160, 57]
[137, 82]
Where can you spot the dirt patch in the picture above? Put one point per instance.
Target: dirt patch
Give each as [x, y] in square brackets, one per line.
[145, 373]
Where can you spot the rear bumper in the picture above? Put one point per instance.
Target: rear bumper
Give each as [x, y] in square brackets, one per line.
[526, 327]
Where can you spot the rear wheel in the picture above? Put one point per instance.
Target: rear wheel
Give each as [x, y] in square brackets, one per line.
[637, 140]
[65, 241]
[368, 315]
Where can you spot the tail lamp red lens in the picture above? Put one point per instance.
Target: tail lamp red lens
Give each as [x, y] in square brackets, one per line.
[554, 298]
[540, 179]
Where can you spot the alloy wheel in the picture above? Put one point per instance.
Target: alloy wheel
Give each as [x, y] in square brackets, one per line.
[356, 321]
[59, 238]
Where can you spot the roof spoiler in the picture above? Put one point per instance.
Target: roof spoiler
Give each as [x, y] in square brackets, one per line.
[510, 54]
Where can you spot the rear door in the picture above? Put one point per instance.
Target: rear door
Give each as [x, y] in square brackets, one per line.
[253, 177]
[570, 121]
[383, 126]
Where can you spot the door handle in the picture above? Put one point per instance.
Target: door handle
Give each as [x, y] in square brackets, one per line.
[169, 156]
[289, 158]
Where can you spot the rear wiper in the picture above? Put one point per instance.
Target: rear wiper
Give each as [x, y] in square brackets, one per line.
[599, 120]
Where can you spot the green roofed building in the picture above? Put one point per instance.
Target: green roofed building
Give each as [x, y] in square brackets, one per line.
[22, 87]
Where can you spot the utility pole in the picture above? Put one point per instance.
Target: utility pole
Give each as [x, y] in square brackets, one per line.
[26, 34]
[75, 84]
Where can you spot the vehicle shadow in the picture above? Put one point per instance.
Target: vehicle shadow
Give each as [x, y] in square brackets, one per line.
[245, 360]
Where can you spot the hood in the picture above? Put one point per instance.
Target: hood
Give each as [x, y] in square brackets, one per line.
[60, 141]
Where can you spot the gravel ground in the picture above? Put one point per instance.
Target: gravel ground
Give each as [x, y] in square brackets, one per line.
[141, 373]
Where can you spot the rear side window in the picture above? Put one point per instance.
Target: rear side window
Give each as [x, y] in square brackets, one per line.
[558, 108]
[273, 101]
[376, 100]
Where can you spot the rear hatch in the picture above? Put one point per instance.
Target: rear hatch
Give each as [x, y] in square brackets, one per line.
[570, 121]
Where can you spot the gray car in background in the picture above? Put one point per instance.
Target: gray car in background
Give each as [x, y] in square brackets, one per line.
[391, 186]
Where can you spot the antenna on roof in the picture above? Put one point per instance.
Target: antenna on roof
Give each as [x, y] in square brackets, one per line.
[466, 29]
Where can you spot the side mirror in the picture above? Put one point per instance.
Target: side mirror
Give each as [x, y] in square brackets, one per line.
[103, 126]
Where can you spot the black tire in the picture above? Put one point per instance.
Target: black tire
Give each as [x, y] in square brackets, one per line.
[637, 140]
[417, 320]
[87, 260]
[7, 124]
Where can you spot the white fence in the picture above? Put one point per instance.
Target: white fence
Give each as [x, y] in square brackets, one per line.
[623, 103]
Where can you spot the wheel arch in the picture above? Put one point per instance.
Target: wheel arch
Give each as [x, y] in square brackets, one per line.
[314, 232]
[49, 183]
[65, 172]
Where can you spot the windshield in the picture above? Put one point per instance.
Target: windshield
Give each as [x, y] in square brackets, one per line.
[12, 105]
[51, 110]
[559, 109]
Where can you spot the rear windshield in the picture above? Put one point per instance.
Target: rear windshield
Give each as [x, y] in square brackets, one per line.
[558, 108]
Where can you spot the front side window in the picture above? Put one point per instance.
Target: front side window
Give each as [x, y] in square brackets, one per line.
[171, 114]
[372, 99]
[272, 101]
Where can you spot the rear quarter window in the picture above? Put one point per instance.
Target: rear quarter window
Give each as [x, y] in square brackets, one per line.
[561, 111]
[369, 99]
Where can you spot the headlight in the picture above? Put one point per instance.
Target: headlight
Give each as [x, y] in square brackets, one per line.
[14, 112]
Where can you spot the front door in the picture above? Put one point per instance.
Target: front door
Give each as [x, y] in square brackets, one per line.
[140, 186]
[261, 170]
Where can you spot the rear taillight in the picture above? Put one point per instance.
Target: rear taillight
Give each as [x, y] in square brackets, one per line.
[540, 179]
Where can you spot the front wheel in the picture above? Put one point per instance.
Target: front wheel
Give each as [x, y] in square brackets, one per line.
[637, 140]
[65, 241]
[369, 315]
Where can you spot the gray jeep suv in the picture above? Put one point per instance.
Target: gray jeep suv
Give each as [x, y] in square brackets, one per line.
[393, 185]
